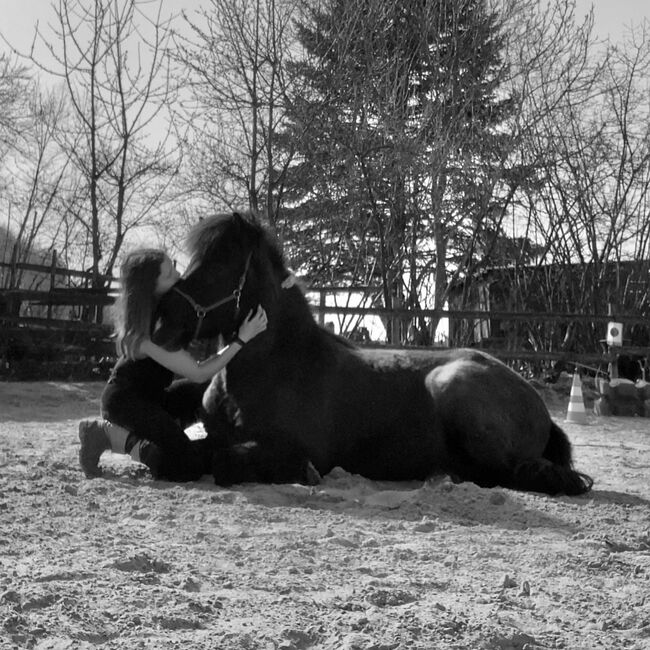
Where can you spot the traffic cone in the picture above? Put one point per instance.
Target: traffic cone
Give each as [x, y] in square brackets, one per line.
[576, 412]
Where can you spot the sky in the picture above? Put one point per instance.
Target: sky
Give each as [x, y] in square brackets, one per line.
[612, 17]
[19, 17]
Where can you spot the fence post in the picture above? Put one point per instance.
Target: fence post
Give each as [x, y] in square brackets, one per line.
[13, 303]
[52, 284]
[99, 308]
[12, 269]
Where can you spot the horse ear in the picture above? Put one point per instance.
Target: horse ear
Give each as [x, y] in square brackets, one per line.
[246, 228]
[246, 219]
[239, 222]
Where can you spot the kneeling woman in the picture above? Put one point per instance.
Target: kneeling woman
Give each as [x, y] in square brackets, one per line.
[145, 412]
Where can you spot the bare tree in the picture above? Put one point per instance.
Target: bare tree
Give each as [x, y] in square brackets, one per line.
[111, 57]
[581, 172]
[15, 88]
[32, 165]
[235, 60]
[40, 173]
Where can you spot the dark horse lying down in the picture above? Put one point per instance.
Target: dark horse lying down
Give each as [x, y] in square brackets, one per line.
[298, 393]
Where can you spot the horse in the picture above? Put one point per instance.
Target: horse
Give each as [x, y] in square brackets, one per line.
[299, 398]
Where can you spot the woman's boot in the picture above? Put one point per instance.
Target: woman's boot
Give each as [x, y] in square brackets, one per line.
[94, 442]
[98, 436]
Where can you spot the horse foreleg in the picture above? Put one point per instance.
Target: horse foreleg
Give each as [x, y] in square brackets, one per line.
[262, 461]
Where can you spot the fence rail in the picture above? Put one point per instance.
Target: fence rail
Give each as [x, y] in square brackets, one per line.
[53, 269]
[48, 334]
[51, 320]
[461, 314]
[60, 296]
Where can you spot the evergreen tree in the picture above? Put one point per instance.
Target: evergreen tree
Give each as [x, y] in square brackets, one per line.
[396, 127]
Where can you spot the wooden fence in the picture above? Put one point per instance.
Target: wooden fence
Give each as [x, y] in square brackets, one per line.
[48, 338]
[499, 347]
[56, 328]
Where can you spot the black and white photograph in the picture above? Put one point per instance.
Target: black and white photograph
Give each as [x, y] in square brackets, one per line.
[325, 325]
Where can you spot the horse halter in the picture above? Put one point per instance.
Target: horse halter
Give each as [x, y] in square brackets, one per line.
[202, 311]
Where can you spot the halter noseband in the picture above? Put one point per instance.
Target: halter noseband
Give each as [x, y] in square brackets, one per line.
[201, 311]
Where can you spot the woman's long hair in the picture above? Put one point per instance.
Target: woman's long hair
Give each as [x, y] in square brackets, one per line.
[137, 301]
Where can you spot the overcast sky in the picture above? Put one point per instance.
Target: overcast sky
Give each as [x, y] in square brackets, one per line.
[614, 17]
[17, 17]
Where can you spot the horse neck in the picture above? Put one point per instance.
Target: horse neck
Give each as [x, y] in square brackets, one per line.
[292, 316]
[295, 306]
[291, 326]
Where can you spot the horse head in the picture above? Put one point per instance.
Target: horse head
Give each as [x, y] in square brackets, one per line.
[234, 266]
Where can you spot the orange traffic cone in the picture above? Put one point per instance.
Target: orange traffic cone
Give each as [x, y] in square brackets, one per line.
[576, 412]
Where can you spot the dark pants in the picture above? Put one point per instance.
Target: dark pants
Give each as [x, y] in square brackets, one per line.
[163, 422]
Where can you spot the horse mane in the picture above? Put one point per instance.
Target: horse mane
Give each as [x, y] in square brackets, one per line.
[202, 238]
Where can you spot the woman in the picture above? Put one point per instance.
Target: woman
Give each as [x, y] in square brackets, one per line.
[145, 412]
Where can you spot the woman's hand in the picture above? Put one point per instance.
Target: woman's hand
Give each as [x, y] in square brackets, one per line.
[254, 324]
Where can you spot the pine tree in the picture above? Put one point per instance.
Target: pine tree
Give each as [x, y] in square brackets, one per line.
[396, 124]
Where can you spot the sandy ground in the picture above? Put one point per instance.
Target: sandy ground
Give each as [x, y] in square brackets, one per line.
[127, 562]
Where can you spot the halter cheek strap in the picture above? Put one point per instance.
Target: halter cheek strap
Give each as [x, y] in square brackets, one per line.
[202, 311]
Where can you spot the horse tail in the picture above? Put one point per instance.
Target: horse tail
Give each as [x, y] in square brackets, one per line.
[553, 473]
[558, 447]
